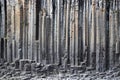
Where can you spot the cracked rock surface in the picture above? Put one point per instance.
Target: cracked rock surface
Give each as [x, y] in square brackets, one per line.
[37, 71]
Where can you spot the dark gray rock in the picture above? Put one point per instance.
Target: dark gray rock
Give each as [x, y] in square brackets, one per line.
[23, 62]
[32, 61]
[17, 64]
[50, 68]
[117, 74]
[33, 67]
[27, 67]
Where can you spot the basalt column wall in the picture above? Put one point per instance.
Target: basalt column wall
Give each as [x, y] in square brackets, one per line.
[73, 32]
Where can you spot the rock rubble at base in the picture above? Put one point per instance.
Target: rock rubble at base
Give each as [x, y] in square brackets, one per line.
[30, 70]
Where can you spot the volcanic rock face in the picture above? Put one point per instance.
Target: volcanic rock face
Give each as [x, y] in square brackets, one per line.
[37, 71]
[48, 37]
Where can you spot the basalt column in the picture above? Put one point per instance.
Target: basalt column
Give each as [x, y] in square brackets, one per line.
[2, 29]
[93, 36]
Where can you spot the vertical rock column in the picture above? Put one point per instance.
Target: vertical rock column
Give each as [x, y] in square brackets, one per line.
[111, 35]
[21, 6]
[80, 30]
[119, 26]
[72, 31]
[58, 30]
[48, 35]
[62, 28]
[13, 31]
[2, 28]
[17, 29]
[117, 51]
[76, 32]
[98, 37]
[30, 29]
[66, 54]
[9, 33]
[88, 24]
[43, 36]
[40, 37]
[33, 26]
[25, 28]
[102, 26]
[85, 30]
[50, 49]
[2, 15]
[93, 37]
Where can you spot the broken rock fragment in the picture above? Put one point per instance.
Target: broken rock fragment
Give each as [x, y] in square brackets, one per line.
[23, 62]
[27, 67]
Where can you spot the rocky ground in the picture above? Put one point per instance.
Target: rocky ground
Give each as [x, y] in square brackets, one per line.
[29, 70]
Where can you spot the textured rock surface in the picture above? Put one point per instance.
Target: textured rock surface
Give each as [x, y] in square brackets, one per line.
[49, 72]
[63, 32]
[64, 36]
